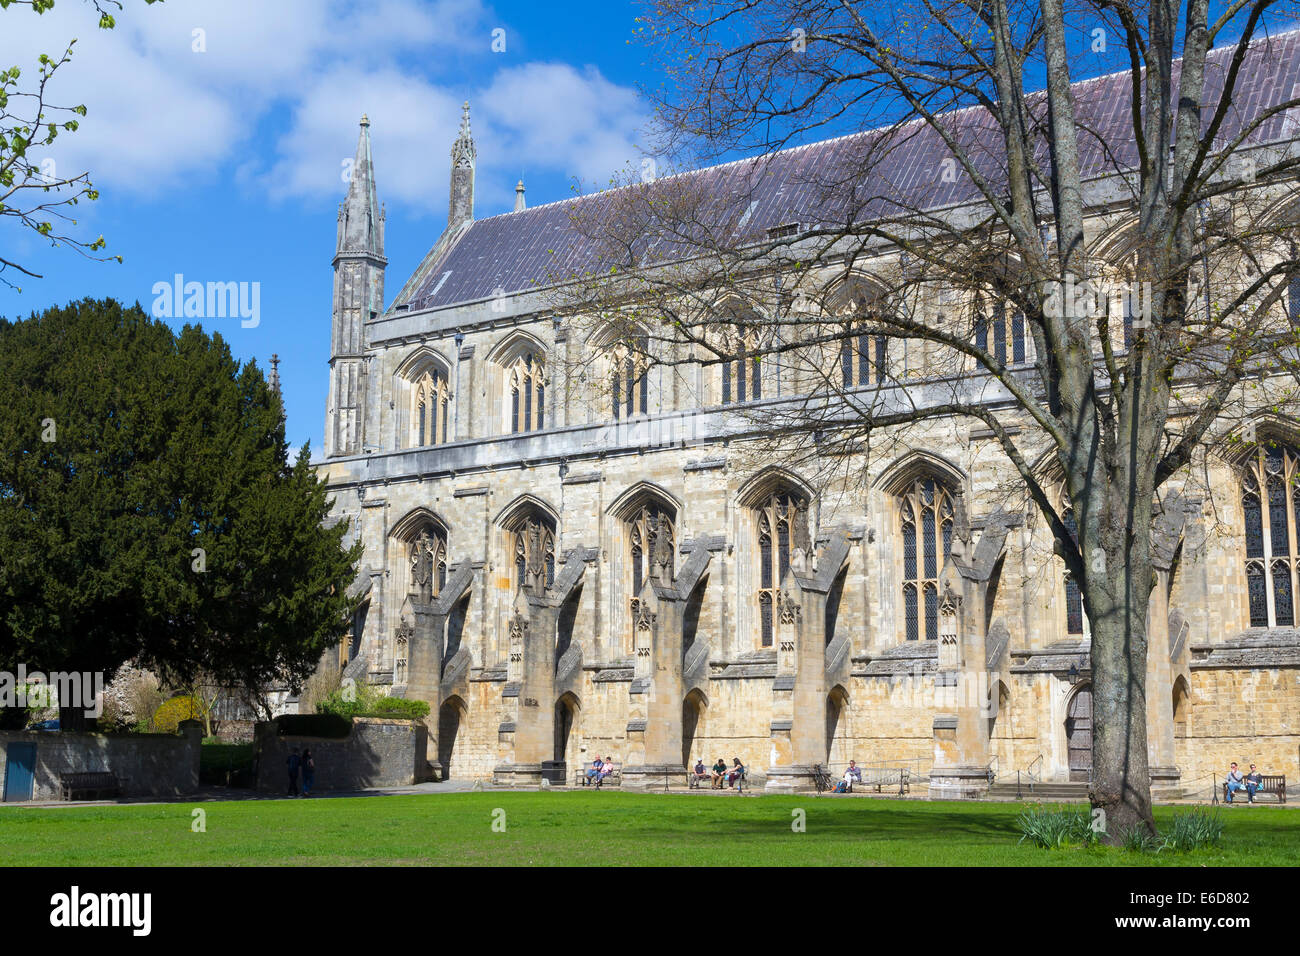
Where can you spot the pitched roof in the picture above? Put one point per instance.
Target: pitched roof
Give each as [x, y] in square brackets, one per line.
[525, 250]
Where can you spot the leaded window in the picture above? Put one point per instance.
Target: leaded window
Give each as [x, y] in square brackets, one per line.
[1002, 333]
[527, 388]
[862, 359]
[431, 398]
[629, 383]
[926, 521]
[1269, 497]
[533, 551]
[742, 378]
[651, 545]
[428, 564]
[782, 526]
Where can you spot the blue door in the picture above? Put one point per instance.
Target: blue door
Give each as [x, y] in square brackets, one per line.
[20, 767]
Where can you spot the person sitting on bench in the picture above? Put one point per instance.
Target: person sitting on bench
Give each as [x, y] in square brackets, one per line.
[1254, 780]
[593, 772]
[605, 770]
[737, 771]
[852, 775]
[699, 773]
[719, 773]
[1235, 780]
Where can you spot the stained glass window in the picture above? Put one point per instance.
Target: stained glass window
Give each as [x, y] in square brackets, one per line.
[1271, 472]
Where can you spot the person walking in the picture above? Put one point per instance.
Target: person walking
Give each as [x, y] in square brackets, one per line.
[293, 763]
[308, 772]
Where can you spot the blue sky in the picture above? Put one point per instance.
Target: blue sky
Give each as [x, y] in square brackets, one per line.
[226, 164]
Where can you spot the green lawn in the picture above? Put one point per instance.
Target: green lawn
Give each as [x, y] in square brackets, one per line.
[607, 828]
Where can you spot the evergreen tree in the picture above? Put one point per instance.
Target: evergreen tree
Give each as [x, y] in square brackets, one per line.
[149, 509]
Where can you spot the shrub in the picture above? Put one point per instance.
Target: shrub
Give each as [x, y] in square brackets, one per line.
[364, 700]
[1057, 829]
[1193, 830]
[398, 707]
[167, 718]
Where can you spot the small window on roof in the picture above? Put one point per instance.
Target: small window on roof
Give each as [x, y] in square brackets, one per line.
[780, 232]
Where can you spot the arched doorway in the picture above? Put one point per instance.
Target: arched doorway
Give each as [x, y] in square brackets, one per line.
[837, 702]
[566, 716]
[693, 708]
[449, 719]
[1078, 734]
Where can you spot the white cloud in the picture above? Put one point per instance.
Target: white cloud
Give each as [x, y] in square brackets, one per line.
[162, 116]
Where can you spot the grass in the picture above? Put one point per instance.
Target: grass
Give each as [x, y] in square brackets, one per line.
[583, 828]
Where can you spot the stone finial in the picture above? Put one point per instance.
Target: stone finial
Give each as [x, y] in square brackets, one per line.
[520, 203]
[365, 120]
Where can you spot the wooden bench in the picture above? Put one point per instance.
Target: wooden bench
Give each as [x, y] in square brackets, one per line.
[90, 785]
[1273, 784]
[881, 777]
[693, 782]
[613, 778]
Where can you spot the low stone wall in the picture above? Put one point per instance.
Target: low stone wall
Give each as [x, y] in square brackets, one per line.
[377, 753]
[146, 765]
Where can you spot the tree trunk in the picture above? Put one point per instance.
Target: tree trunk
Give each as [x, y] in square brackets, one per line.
[1121, 778]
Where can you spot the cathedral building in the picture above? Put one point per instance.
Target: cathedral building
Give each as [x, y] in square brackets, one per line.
[563, 571]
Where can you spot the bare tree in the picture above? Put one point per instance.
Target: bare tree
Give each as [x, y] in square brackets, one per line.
[961, 217]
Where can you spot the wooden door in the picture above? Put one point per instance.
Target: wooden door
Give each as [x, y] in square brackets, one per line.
[20, 772]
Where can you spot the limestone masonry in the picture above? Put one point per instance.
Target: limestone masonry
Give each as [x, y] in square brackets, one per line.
[563, 571]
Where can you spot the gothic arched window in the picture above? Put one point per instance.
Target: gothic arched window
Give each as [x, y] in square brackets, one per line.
[532, 546]
[527, 393]
[926, 520]
[1269, 500]
[629, 383]
[742, 376]
[431, 398]
[1003, 336]
[782, 525]
[862, 359]
[427, 558]
[651, 542]
[651, 547]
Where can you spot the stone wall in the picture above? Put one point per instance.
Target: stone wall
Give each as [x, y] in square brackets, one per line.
[700, 461]
[376, 753]
[146, 765]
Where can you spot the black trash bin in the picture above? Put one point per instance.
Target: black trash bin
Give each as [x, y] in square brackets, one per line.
[553, 772]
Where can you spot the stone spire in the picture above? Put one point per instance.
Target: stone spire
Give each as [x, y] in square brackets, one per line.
[463, 155]
[358, 298]
[275, 373]
[520, 203]
[361, 219]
